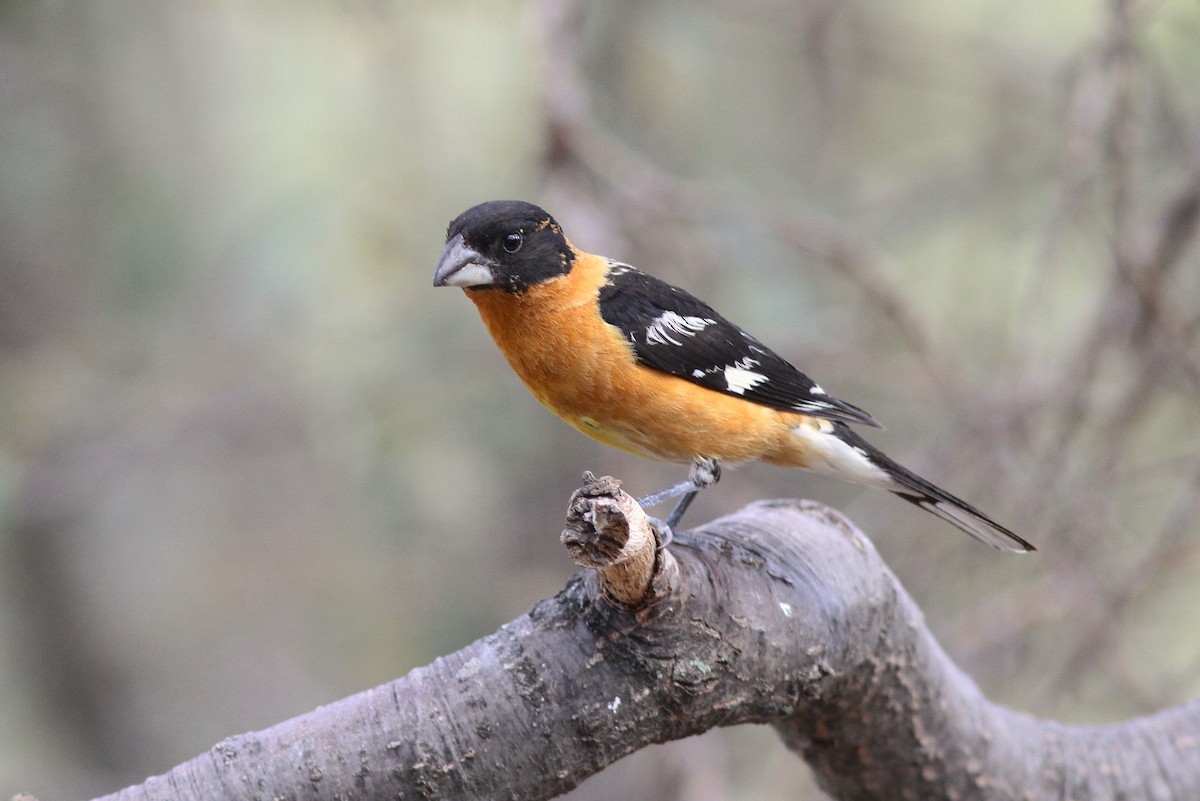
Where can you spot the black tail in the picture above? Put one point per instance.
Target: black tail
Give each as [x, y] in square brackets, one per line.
[936, 500]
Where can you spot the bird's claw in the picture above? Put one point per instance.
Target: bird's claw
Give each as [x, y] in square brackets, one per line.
[662, 532]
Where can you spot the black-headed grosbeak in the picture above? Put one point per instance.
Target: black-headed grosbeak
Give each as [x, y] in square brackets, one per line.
[642, 365]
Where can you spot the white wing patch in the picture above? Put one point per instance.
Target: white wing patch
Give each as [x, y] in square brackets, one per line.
[739, 377]
[664, 329]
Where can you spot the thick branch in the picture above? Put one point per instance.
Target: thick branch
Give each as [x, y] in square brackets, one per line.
[782, 613]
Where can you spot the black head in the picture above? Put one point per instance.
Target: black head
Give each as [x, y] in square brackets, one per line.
[503, 244]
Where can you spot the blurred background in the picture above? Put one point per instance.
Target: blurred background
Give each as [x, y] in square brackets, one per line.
[252, 462]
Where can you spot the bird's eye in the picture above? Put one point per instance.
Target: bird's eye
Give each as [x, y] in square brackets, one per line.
[513, 242]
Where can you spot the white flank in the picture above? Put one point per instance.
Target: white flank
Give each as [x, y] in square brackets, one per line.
[738, 380]
[816, 390]
[666, 326]
[829, 455]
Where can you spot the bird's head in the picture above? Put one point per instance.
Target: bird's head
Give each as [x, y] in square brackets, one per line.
[507, 245]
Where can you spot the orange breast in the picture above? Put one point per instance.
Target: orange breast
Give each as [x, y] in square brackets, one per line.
[584, 370]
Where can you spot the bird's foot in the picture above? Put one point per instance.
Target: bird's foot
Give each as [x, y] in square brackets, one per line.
[663, 533]
[704, 473]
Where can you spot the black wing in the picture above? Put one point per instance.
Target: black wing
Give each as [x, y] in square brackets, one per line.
[679, 334]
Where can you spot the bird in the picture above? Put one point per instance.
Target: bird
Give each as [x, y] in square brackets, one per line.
[642, 365]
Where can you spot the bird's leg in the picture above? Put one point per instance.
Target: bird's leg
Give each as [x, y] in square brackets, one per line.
[704, 473]
[662, 496]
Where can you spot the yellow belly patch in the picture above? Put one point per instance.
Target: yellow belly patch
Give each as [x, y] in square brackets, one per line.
[609, 435]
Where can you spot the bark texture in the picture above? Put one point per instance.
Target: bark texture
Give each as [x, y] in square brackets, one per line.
[782, 614]
[608, 530]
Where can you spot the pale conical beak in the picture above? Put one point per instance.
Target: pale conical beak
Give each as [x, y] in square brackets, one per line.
[463, 266]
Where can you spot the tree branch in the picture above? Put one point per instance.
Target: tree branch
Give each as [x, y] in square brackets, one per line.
[609, 531]
[782, 613]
